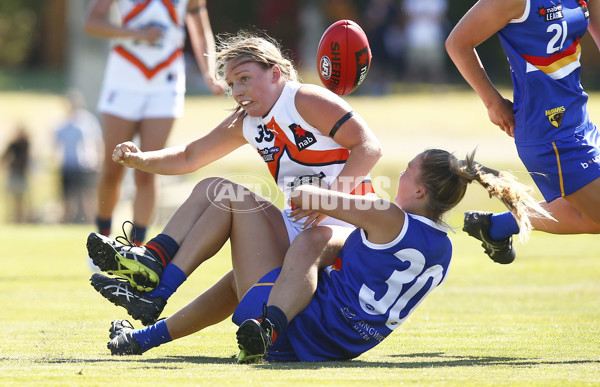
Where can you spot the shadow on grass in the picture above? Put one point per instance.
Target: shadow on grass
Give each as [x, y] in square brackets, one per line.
[429, 360]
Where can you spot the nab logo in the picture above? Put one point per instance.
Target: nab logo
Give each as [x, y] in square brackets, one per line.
[302, 138]
[552, 13]
[555, 116]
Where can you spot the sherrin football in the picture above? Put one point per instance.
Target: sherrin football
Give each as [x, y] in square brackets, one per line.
[343, 57]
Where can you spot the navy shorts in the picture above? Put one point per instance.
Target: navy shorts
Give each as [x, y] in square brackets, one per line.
[251, 306]
[564, 166]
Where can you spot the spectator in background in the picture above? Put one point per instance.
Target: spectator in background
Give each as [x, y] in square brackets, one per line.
[379, 18]
[425, 35]
[16, 157]
[79, 145]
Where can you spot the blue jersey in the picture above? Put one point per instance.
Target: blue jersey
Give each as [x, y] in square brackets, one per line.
[368, 293]
[543, 49]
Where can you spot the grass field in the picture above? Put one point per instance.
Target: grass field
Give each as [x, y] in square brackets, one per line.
[534, 322]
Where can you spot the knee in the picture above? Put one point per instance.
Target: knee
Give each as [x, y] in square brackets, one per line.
[144, 180]
[310, 243]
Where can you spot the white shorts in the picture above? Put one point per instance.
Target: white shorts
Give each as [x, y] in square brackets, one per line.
[135, 106]
[293, 228]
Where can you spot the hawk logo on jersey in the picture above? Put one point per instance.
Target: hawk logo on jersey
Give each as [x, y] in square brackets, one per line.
[303, 138]
[268, 154]
[555, 116]
[551, 13]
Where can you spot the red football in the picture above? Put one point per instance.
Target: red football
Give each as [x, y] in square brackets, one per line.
[343, 57]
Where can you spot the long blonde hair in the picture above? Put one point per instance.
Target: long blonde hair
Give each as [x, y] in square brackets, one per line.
[446, 178]
[263, 50]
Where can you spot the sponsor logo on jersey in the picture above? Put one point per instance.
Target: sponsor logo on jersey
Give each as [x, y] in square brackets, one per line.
[302, 137]
[590, 162]
[268, 154]
[584, 8]
[555, 115]
[552, 13]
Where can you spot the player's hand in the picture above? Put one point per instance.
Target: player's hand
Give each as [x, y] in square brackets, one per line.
[217, 87]
[313, 218]
[502, 115]
[127, 154]
[150, 34]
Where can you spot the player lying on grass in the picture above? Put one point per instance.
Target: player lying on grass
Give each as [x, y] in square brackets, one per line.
[387, 266]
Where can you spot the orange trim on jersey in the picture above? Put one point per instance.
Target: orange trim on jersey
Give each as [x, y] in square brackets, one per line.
[363, 188]
[172, 11]
[140, 7]
[571, 52]
[148, 72]
[306, 156]
[560, 175]
[136, 11]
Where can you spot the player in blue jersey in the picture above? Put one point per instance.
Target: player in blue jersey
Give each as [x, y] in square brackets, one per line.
[400, 253]
[548, 118]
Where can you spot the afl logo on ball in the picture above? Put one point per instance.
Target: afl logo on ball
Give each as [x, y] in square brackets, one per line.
[325, 66]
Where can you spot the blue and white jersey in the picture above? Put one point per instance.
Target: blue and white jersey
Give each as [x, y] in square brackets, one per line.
[543, 49]
[369, 292]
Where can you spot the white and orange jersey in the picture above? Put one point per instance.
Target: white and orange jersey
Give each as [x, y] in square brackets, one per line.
[139, 65]
[292, 148]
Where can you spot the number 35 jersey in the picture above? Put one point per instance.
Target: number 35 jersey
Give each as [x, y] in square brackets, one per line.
[370, 291]
[291, 147]
[543, 49]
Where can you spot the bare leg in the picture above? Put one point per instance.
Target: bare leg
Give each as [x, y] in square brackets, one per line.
[578, 213]
[211, 307]
[116, 130]
[207, 219]
[153, 135]
[312, 250]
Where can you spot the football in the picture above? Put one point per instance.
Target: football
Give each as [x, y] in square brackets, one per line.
[343, 57]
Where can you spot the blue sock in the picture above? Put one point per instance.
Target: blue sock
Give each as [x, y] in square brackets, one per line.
[152, 336]
[140, 234]
[278, 318]
[171, 279]
[504, 225]
[163, 248]
[104, 226]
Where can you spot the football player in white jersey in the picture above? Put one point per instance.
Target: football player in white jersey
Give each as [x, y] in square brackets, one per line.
[144, 86]
[303, 133]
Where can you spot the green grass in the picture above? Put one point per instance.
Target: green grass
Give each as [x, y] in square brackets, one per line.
[534, 322]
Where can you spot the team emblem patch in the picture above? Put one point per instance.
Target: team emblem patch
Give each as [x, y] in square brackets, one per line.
[302, 137]
[555, 116]
[551, 13]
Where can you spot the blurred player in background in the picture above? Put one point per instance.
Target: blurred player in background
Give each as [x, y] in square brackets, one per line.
[144, 87]
[400, 253]
[303, 133]
[78, 141]
[548, 118]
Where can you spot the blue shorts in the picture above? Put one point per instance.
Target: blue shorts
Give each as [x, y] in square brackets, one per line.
[564, 166]
[251, 306]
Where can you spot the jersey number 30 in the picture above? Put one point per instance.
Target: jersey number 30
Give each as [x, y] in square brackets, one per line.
[391, 302]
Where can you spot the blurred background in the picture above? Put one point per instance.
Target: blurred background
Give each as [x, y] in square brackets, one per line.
[44, 55]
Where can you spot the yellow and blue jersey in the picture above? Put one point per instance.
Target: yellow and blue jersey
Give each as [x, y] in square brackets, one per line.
[543, 49]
